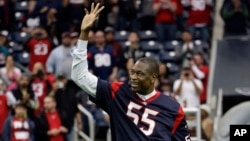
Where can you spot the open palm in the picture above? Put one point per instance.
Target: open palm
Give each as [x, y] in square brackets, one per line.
[90, 17]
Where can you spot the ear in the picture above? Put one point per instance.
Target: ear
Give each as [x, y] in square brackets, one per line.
[154, 76]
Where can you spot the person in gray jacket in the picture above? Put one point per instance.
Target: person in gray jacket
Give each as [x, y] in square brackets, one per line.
[60, 59]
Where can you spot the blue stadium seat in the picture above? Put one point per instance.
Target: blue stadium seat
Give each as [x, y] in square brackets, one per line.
[124, 44]
[167, 56]
[15, 47]
[121, 35]
[21, 37]
[147, 35]
[21, 6]
[152, 55]
[23, 58]
[170, 45]
[153, 46]
[19, 16]
[173, 68]
[202, 44]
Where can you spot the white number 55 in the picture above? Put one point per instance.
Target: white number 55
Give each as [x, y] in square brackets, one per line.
[145, 119]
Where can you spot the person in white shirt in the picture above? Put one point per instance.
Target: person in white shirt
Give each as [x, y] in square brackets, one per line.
[188, 89]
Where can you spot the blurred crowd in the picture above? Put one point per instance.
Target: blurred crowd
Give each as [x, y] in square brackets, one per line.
[37, 96]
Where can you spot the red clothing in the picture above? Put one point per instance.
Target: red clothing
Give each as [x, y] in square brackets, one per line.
[40, 88]
[20, 130]
[3, 110]
[199, 13]
[54, 123]
[203, 96]
[39, 51]
[164, 15]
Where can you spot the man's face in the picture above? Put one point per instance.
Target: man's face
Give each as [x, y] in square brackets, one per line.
[66, 41]
[3, 39]
[49, 104]
[186, 37]
[141, 80]
[133, 37]
[24, 81]
[20, 111]
[99, 37]
[198, 59]
[109, 36]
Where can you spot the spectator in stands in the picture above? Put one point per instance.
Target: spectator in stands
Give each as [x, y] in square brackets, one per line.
[133, 50]
[110, 40]
[128, 14]
[75, 9]
[184, 52]
[48, 11]
[52, 124]
[123, 74]
[102, 61]
[91, 38]
[60, 59]
[235, 15]
[18, 127]
[101, 120]
[201, 71]
[166, 88]
[188, 89]
[30, 21]
[3, 46]
[41, 84]
[147, 15]
[199, 17]
[7, 101]
[74, 38]
[25, 95]
[206, 122]
[165, 26]
[39, 46]
[11, 72]
[65, 93]
[164, 74]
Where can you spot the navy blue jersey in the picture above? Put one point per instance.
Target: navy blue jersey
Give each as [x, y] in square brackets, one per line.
[159, 118]
[101, 62]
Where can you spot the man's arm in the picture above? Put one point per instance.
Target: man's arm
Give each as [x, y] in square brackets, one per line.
[80, 74]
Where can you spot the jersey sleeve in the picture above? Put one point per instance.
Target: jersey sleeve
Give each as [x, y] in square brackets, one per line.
[180, 130]
[105, 94]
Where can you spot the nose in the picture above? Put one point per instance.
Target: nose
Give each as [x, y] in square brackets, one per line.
[133, 76]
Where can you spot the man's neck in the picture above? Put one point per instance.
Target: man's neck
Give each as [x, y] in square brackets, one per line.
[147, 96]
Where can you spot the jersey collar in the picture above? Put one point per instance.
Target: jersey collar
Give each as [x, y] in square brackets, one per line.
[149, 97]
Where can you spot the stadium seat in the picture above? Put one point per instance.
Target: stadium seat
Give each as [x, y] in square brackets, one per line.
[167, 56]
[21, 37]
[170, 45]
[121, 35]
[147, 35]
[124, 44]
[19, 16]
[23, 58]
[15, 47]
[173, 68]
[21, 6]
[152, 55]
[151, 46]
[202, 44]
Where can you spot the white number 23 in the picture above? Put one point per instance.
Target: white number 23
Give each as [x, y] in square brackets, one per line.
[145, 119]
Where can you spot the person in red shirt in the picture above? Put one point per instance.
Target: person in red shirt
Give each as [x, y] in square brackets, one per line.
[51, 125]
[165, 24]
[18, 127]
[199, 17]
[7, 101]
[201, 71]
[39, 46]
[41, 84]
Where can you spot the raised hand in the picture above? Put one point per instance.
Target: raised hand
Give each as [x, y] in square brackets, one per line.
[90, 17]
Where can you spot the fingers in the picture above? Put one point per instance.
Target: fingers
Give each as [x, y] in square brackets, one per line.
[92, 8]
[99, 10]
[86, 11]
[96, 7]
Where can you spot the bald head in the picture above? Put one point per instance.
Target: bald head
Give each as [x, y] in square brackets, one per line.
[153, 66]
